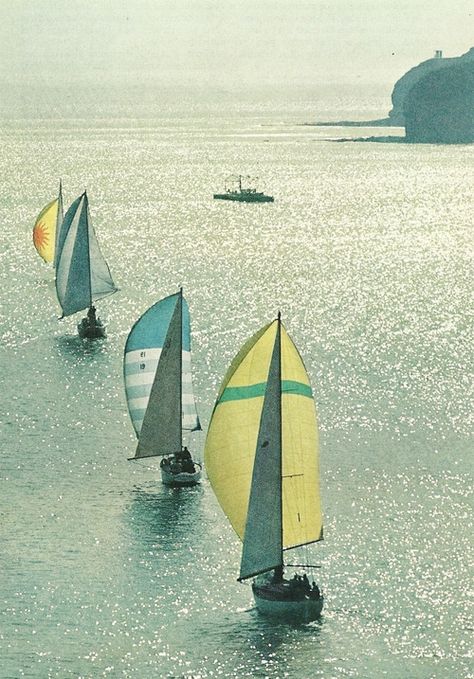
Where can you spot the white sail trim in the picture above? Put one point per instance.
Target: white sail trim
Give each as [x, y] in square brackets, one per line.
[136, 356]
[142, 402]
[140, 379]
[138, 383]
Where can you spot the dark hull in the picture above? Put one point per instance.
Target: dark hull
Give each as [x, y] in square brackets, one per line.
[90, 331]
[283, 602]
[245, 197]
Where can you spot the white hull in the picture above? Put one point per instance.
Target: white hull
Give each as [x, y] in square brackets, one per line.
[181, 479]
[301, 610]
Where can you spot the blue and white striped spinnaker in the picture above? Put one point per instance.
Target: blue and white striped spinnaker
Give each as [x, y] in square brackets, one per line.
[82, 274]
[157, 374]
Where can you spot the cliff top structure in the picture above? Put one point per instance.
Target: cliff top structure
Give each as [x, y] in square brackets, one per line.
[402, 88]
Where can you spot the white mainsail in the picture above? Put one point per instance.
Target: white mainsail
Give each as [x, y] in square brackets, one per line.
[82, 274]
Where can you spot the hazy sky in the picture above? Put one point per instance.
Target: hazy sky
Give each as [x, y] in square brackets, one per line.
[227, 42]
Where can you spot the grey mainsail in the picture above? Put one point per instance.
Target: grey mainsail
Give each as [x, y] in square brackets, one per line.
[262, 545]
[161, 431]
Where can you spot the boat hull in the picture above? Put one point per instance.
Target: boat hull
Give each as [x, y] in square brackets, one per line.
[90, 331]
[245, 198]
[181, 478]
[277, 603]
[170, 478]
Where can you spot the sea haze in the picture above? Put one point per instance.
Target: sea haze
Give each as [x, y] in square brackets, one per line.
[367, 253]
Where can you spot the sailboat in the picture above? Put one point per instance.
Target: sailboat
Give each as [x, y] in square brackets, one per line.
[82, 274]
[46, 228]
[261, 457]
[159, 391]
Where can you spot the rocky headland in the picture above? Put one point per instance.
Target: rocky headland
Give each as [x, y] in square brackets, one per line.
[439, 109]
[434, 101]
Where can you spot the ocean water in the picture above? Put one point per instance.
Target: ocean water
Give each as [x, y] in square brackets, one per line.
[367, 252]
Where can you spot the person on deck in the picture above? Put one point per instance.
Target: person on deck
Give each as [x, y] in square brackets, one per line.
[176, 468]
[91, 317]
[185, 454]
[186, 460]
[277, 574]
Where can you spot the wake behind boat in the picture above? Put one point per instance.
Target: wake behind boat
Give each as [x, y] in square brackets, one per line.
[261, 458]
[234, 190]
[82, 274]
[158, 385]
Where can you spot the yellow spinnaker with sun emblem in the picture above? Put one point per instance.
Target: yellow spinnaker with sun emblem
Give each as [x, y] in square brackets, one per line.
[46, 228]
[240, 427]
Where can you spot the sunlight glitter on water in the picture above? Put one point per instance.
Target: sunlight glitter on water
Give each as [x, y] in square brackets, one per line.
[364, 252]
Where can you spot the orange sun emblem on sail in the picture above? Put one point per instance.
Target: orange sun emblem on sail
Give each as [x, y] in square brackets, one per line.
[40, 236]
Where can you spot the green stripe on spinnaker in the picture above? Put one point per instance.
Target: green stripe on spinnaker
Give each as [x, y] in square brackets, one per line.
[255, 390]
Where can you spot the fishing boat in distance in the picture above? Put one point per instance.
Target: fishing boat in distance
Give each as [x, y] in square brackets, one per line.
[46, 228]
[262, 460]
[159, 391]
[82, 274]
[234, 190]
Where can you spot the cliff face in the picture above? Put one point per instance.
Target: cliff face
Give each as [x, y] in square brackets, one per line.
[439, 108]
[404, 85]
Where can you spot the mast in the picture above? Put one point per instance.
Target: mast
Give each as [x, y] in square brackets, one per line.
[59, 221]
[181, 365]
[86, 204]
[281, 435]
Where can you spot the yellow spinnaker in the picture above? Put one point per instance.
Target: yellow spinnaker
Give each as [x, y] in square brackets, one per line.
[44, 230]
[233, 430]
